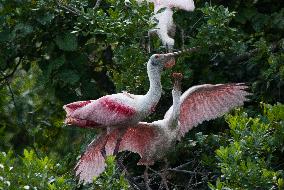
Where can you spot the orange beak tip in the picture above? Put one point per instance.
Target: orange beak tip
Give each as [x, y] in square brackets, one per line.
[170, 63]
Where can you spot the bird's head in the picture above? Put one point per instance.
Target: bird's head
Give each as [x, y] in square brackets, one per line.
[166, 60]
[177, 81]
[162, 60]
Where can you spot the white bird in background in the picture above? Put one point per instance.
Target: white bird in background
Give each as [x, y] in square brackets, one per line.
[152, 140]
[165, 25]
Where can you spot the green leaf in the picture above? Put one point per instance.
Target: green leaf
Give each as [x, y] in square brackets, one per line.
[56, 64]
[67, 42]
[280, 183]
[46, 18]
[5, 36]
[70, 76]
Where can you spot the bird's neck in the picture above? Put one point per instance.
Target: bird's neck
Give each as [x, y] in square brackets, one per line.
[173, 119]
[153, 95]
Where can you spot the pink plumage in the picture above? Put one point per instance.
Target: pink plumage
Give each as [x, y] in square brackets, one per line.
[153, 140]
[121, 108]
[140, 139]
[108, 110]
[137, 139]
[205, 102]
[92, 162]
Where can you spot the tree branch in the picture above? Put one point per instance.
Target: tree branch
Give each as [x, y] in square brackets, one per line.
[97, 4]
[243, 57]
[146, 178]
[6, 77]
[134, 185]
[188, 172]
[69, 8]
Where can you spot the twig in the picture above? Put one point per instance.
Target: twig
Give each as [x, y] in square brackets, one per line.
[184, 165]
[164, 175]
[69, 8]
[6, 77]
[130, 180]
[195, 24]
[97, 4]
[245, 56]
[12, 94]
[186, 171]
[182, 38]
[146, 178]
[10, 89]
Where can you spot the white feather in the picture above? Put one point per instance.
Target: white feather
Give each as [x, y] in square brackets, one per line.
[165, 23]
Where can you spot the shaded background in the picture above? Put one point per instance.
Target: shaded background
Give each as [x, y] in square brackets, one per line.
[56, 52]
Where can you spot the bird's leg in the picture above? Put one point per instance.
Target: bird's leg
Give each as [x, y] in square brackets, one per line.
[119, 139]
[146, 178]
[103, 149]
[164, 175]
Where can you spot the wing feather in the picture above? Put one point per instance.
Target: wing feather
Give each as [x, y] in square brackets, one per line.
[206, 102]
[92, 162]
[109, 110]
[140, 139]
[187, 5]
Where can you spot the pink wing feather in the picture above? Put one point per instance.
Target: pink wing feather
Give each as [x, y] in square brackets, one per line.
[105, 111]
[92, 162]
[140, 139]
[70, 108]
[205, 102]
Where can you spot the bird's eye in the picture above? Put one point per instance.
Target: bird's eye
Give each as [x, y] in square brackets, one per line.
[157, 56]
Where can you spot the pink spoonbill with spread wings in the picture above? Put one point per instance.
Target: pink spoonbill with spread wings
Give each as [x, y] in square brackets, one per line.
[152, 140]
[122, 108]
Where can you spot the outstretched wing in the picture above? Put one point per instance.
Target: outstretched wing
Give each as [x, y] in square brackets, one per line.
[70, 108]
[109, 110]
[92, 162]
[205, 102]
[140, 139]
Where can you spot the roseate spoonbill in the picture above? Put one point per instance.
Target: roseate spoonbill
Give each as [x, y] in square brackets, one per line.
[135, 138]
[152, 140]
[165, 26]
[122, 108]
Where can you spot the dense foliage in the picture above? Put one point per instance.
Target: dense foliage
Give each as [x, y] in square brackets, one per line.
[57, 51]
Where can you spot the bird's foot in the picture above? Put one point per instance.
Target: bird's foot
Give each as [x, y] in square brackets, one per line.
[146, 178]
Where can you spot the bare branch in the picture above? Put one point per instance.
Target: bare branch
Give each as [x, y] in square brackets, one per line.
[184, 165]
[188, 172]
[163, 175]
[146, 178]
[134, 185]
[245, 56]
[69, 8]
[97, 4]
[6, 77]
